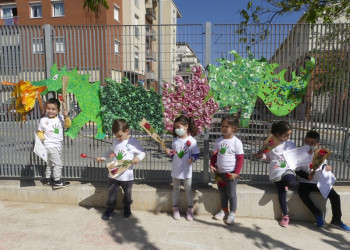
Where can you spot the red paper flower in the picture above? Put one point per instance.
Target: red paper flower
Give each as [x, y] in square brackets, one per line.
[60, 97]
[266, 151]
[222, 183]
[228, 175]
[83, 155]
[147, 126]
[114, 170]
[270, 142]
[188, 143]
[322, 152]
[310, 166]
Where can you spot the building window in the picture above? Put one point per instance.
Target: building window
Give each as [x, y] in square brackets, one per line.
[137, 30]
[60, 44]
[8, 11]
[35, 10]
[116, 46]
[116, 13]
[136, 60]
[38, 46]
[58, 8]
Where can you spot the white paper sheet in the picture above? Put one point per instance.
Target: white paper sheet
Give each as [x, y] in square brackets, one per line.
[39, 149]
[298, 157]
[326, 183]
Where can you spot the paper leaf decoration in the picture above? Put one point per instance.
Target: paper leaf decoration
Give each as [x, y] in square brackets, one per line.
[235, 84]
[189, 99]
[280, 96]
[124, 100]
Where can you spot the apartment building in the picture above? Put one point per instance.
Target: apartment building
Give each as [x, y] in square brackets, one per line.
[123, 40]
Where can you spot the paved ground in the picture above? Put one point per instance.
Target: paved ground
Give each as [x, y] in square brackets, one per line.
[49, 226]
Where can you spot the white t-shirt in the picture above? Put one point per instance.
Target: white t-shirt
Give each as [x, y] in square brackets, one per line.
[53, 129]
[227, 151]
[278, 164]
[181, 168]
[126, 150]
[307, 169]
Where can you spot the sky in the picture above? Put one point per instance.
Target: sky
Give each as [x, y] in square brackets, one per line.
[220, 12]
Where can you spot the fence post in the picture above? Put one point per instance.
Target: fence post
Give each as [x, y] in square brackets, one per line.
[48, 48]
[207, 61]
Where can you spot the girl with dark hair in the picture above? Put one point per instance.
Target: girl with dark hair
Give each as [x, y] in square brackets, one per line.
[227, 159]
[184, 152]
[280, 173]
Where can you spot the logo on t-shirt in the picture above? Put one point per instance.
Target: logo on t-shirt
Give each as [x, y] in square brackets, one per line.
[56, 129]
[223, 148]
[182, 152]
[120, 155]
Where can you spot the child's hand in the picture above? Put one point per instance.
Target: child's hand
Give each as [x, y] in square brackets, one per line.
[135, 160]
[213, 168]
[169, 152]
[231, 176]
[65, 113]
[100, 159]
[190, 161]
[328, 168]
[310, 177]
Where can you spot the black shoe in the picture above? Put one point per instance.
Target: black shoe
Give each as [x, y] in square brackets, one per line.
[60, 184]
[46, 182]
[108, 213]
[127, 211]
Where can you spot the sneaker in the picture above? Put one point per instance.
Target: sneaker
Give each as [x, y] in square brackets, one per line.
[46, 182]
[231, 218]
[284, 221]
[108, 213]
[176, 213]
[127, 211]
[222, 215]
[60, 184]
[340, 225]
[319, 220]
[189, 214]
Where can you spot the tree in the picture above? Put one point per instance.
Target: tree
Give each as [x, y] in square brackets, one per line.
[94, 5]
[325, 11]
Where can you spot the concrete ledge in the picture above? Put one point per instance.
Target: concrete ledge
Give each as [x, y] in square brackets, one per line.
[258, 201]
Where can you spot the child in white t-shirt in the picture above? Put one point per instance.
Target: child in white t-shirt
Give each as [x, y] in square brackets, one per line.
[124, 147]
[50, 131]
[227, 159]
[184, 152]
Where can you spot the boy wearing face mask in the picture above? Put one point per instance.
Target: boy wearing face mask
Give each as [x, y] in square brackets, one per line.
[308, 184]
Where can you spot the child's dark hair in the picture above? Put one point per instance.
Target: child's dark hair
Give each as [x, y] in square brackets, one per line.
[232, 121]
[54, 101]
[119, 125]
[279, 128]
[313, 135]
[184, 120]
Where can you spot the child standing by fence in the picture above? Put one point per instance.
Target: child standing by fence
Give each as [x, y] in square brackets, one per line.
[280, 173]
[124, 147]
[308, 184]
[227, 160]
[184, 152]
[50, 131]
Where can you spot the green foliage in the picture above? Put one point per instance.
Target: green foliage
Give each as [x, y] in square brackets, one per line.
[325, 11]
[124, 100]
[94, 5]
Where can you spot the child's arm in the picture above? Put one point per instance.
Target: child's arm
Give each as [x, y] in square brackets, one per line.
[139, 152]
[238, 168]
[304, 175]
[213, 160]
[41, 135]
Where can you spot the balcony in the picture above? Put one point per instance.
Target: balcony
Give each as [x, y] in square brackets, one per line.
[10, 21]
[150, 56]
[150, 12]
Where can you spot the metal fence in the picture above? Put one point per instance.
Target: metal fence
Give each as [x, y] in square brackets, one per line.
[151, 55]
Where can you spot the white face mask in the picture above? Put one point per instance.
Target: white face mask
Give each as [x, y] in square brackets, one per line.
[311, 147]
[180, 131]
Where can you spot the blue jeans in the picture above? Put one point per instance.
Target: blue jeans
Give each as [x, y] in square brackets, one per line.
[289, 181]
[228, 194]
